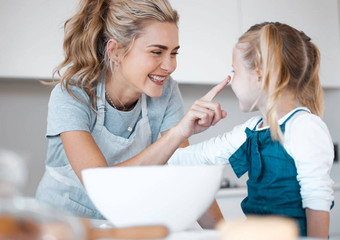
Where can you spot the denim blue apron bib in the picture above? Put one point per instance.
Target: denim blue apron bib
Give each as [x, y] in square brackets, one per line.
[60, 186]
[272, 186]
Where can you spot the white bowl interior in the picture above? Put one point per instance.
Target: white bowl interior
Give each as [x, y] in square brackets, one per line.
[174, 196]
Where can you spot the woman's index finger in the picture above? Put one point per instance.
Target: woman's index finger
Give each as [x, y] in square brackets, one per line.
[216, 90]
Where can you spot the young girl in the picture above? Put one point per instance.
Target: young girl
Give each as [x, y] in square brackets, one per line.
[115, 97]
[287, 151]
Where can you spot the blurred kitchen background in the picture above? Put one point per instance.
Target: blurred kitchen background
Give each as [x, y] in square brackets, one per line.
[31, 46]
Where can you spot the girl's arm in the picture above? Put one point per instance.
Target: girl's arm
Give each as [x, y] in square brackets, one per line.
[317, 223]
[309, 142]
[82, 151]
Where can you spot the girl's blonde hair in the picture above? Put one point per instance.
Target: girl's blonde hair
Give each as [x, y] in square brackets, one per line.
[288, 60]
[97, 21]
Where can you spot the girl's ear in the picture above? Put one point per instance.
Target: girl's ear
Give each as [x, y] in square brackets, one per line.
[112, 50]
[258, 72]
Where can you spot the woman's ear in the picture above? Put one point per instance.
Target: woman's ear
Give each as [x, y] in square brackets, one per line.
[259, 74]
[112, 50]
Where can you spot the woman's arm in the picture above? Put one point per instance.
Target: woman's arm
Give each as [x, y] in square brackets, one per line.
[317, 223]
[211, 217]
[183, 145]
[202, 114]
[83, 152]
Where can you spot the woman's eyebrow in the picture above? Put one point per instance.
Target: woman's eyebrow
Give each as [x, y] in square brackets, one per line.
[162, 46]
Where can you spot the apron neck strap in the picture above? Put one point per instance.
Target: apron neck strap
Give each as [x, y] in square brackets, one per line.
[144, 106]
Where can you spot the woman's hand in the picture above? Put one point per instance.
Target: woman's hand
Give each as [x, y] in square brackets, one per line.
[203, 113]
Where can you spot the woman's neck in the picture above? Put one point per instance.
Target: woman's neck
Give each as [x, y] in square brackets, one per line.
[120, 94]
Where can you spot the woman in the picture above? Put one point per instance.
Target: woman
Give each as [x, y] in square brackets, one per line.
[115, 97]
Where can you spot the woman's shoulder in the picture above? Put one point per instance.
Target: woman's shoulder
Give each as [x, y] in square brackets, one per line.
[74, 93]
[67, 112]
[71, 101]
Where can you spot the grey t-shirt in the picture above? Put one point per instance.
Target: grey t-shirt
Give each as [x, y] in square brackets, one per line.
[65, 113]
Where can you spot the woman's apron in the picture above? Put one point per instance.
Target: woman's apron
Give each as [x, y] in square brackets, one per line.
[61, 187]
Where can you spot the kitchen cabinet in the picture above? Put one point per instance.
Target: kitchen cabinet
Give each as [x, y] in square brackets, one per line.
[32, 35]
[229, 200]
[208, 32]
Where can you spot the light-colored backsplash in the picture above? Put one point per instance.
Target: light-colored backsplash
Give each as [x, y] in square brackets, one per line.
[23, 110]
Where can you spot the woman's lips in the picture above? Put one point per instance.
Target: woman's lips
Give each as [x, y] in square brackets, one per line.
[157, 79]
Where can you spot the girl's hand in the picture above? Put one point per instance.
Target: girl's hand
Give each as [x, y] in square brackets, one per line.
[203, 113]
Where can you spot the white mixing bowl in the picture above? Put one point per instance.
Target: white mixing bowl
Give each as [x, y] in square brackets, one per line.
[173, 196]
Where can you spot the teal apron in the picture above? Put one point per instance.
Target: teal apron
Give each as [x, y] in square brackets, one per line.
[273, 188]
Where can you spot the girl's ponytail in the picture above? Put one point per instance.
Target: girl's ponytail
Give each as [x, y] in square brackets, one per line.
[84, 46]
[309, 92]
[275, 74]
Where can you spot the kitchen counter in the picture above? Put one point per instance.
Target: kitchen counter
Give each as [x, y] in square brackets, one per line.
[211, 235]
[194, 235]
[236, 191]
[336, 186]
[227, 192]
[208, 235]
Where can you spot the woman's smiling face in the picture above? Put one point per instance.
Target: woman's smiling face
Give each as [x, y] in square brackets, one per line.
[151, 59]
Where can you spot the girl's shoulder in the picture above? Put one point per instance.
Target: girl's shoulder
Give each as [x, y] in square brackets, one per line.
[307, 132]
[304, 119]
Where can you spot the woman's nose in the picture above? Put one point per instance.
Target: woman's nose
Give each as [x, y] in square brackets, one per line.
[169, 64]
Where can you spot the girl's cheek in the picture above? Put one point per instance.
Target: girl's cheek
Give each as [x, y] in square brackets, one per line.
[232, 86]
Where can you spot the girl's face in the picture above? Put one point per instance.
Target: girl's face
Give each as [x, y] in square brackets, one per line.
[245, 83]
[151, 59]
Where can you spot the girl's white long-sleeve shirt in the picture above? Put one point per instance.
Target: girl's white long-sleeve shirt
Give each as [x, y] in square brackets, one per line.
[306, 139]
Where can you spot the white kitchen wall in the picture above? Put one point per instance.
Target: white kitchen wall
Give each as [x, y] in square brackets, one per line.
[23, 109]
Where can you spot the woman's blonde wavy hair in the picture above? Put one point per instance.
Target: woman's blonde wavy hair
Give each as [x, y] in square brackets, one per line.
[288, 60]
[87, 32]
